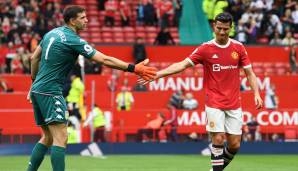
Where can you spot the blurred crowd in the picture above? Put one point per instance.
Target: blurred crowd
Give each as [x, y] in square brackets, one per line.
[272, 22]
[23, 23]
[163, 13]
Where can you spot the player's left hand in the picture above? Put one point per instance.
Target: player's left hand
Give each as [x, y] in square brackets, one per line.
[145, 72]
[258, 102]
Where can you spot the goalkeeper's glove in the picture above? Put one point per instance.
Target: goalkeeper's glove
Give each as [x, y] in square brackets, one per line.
[145, 72]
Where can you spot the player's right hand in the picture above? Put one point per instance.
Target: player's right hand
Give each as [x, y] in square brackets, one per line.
[145, 72]
[144, 82]
[29, 96]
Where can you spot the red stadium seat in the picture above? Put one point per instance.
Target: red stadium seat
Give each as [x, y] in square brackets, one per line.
[129, 35]
[106, 70]
[119, 40]
[91, 2]
[155, 64]
[106, 29]
[141, 34]
[259, 70]
[108, 40]
[140, 29]
[188, 72]
[128, 29]
[94, 29]
[173, 29]
[80, 2]
[117, 29]
[95, 34]
[268, 64]
[280, 64]
[269, 71]
[129, 40]
[176, 40]
[92, 7]
[92, 13]
[96, 40]
[107, 35]
[151, 35]
[94, 24]
[150, 40]
[151, 29]
[257, 64]
[84, 34]
[118, 34]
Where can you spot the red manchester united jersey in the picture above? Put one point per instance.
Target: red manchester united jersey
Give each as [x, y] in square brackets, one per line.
[221, 72]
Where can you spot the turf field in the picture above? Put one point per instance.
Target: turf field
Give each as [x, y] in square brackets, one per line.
[158, 163]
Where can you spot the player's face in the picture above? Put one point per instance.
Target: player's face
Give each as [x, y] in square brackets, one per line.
[221, 31]
[81, 21]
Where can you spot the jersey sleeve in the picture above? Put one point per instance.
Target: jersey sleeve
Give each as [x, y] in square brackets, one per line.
[244, 60]
[83, 48]
[196, 57]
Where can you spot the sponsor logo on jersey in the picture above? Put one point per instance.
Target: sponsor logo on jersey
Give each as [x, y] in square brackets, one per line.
[218, 67]
[234, 55]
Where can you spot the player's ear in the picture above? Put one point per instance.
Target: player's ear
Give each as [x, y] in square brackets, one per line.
[213, 24]
[72, 21]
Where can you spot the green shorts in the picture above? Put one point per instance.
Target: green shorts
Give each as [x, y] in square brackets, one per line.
[49, 109]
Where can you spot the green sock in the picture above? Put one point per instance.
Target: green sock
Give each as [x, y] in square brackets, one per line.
[37, 156]
[57, 158]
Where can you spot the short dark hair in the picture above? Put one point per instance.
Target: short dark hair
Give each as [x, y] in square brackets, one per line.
[71, 11]
[224, 18]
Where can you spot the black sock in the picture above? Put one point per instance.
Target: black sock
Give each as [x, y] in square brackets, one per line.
[228, 156]
[217, 160]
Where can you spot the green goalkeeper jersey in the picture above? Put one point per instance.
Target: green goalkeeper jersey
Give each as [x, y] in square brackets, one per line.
[60, 50]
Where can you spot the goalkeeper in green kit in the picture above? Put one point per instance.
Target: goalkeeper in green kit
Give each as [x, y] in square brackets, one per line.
[50, 64]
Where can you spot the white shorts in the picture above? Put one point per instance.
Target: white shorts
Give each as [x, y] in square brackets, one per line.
[228, 121]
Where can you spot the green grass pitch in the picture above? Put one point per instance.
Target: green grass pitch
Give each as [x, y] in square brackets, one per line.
[158, 163]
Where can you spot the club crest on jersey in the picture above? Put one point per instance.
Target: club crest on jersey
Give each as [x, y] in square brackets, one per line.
[235, 55]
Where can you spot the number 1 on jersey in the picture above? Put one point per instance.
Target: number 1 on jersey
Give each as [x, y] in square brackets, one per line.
[48, 48]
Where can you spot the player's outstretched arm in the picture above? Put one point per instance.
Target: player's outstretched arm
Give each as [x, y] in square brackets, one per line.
[254, 86]
[145, 72]
[170, 70]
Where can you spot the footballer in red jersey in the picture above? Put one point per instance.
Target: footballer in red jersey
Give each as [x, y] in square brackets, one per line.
[222, 59]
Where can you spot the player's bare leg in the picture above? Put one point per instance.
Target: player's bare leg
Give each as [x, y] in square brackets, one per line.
[59, 133]
[40, 149]
[46, 138]
[217, 150]
[233, 145]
